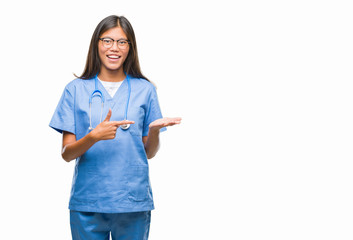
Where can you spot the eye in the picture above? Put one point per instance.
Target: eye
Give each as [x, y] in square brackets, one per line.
[107, 40]
[122, 42]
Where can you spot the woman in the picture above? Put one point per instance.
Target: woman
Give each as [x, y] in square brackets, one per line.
[111, 193]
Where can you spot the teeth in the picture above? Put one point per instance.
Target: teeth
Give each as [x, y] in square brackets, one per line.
[115, 57]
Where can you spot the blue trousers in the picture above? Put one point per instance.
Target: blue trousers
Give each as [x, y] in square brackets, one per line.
[98, 226]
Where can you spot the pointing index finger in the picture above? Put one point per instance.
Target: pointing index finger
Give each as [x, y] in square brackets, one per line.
[119, 123]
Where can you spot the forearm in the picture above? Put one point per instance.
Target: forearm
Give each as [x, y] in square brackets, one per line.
[106, 130]
[76, 149]
[152, 143]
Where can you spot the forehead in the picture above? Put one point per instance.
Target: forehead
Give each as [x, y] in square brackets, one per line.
[115, 33]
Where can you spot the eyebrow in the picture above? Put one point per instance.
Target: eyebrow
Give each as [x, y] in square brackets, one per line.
[116, 39]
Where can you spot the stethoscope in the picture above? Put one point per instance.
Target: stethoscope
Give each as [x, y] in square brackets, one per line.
[98, 93]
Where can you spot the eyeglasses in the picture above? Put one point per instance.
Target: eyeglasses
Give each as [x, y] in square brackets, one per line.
[109, 42]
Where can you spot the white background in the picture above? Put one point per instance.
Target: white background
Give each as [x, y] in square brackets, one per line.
[265, 91]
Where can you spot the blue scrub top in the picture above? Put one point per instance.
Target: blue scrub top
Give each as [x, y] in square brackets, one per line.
[112, 176]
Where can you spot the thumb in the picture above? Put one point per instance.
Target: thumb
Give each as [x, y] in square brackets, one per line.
[107, 118]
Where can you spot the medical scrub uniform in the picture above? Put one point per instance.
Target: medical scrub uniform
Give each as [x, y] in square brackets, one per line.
[112, 177]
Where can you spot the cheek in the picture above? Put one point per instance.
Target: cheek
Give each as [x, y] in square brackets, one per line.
[101, 54]
[126, 53]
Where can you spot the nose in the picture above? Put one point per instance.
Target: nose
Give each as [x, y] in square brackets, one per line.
[115, 46]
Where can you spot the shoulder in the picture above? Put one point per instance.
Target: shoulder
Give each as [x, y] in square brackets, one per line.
[76, 83]
[142, 84]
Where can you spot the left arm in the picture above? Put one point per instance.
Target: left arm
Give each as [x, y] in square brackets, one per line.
[151, 141]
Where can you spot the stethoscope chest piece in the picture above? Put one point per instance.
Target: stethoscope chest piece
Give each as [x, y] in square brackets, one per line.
[125, 126]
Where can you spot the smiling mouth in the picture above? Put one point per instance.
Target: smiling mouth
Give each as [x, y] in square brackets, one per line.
[113, 57]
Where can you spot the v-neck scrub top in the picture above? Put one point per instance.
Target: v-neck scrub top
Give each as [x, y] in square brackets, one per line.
[113, 175]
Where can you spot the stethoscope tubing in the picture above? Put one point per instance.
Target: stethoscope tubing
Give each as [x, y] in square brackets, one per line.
[98, 93]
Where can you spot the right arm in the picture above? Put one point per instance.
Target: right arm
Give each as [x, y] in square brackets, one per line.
[72, 149]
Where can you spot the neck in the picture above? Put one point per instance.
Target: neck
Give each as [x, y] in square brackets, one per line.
[111, 76]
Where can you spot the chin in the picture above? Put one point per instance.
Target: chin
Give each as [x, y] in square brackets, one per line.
[113, 68]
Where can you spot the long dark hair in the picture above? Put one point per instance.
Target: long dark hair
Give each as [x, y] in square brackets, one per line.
[131, 65]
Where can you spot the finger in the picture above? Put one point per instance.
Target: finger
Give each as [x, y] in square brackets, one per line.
[119, 123]
[168, 119]
[176, 119]
[171, 124]
[173, 120]
[107, 118]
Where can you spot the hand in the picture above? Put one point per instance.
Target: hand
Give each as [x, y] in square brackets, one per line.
[164, 122]
[107, 129]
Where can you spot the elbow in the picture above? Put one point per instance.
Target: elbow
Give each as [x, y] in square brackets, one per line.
[150, 156]
[152, 153]
[66, 158]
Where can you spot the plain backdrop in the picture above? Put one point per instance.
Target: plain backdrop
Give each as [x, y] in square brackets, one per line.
[265, 92]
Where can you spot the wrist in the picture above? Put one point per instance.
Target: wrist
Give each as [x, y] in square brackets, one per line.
[153, 131]
[92, 137]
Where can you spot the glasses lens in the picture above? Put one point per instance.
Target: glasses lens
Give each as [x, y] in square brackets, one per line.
[123, 44]
[107, 43]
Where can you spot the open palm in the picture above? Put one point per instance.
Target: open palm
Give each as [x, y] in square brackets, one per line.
[164, 122]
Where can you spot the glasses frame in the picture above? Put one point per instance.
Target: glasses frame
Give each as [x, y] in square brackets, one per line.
[117, 41]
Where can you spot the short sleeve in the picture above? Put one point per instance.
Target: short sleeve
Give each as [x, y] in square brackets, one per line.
[153, 112]
[64, 116]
